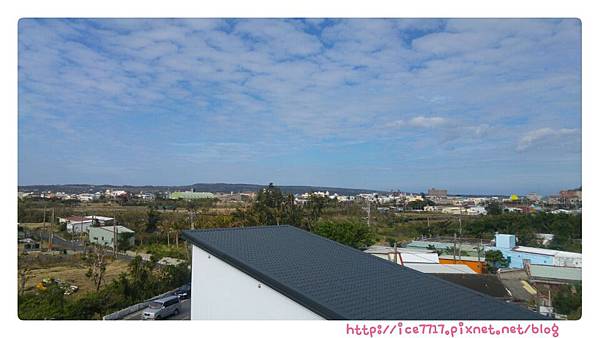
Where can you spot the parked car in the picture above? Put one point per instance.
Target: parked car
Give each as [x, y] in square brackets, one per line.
[184, 292]
[162, 308]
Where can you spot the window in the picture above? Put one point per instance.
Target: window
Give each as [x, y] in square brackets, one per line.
[172, 302]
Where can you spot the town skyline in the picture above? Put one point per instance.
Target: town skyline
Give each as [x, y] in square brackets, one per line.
[223, 187]
[475, 106]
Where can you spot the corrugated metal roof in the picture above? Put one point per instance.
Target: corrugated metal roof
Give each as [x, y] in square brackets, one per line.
[546, 252]
[339, 282]
[440, 268]
[110, 228]
[554, 272]
[464, 258]
[407, 255]
[539, 251]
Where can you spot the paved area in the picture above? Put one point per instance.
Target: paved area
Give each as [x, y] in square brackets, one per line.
[183, 315]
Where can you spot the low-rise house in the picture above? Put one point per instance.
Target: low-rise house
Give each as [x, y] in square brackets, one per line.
[282, 272]
[344, 198]
[115, 193]
[145, 196]
[516, 255]
[513, 209]
[454, 210]
[534, 197]
[476, 210]
[79, 224]
[566, 212]
[105, 236]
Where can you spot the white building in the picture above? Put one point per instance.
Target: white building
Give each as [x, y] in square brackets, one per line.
[476, 210]
[86, 197]
[282, 272]
[431, 208]
[79, 224]
[454, 210]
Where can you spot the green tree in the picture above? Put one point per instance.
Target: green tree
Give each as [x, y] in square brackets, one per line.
[567, 301]
[493, 208]
[123, 242]
[495, 260]
[45, 304]
[153, 217]
[315, 206]
[419, 204]
[349, 232]
[270, 207]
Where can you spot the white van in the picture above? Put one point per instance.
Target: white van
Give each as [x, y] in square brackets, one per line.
[162, 308]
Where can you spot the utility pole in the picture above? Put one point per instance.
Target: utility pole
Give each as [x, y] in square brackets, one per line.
[115, 234]
[428, 227]
[479, 251]
[368, 209]
[454, 251]
[51, 235]
[459, 238]
[44, 227]
[395, 252]
[399, 255]
[192, 218]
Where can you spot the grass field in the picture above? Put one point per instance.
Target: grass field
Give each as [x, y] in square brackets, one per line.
[74, 274]
[34, 226]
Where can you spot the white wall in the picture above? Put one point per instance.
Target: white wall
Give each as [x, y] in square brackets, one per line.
[220, 291]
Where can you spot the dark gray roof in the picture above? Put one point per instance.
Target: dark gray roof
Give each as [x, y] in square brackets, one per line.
[485, 283]
[339, 282]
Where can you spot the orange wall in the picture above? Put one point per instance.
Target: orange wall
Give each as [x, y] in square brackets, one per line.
[478, 267]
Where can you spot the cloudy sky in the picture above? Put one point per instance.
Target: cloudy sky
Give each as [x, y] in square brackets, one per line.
[474, 106]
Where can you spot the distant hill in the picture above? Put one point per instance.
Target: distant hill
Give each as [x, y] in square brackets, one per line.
[208, 187]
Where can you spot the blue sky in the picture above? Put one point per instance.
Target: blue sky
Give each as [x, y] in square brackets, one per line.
[474, 106]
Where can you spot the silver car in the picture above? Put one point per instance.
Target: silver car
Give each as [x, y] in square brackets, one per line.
[162, 308]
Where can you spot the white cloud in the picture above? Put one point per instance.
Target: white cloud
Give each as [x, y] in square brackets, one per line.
[255, 81]
[420, 122]
[428, 122]
[543, 136]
